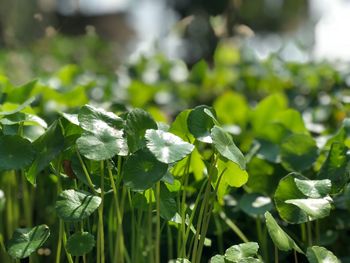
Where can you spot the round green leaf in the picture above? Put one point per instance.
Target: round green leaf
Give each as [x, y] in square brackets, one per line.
[335, 167]
[314, 188]
[255, 204]
[73, 205]
[137, 122]
[217, 259]
[318, 254]
[226, 147]
[298, 152]
[200, 123]
[97, 121]
[287, 190]
[15, 152]
[79, 244]
[179, 126]
[27, 240]
[167, 147]
[142, 170]
[280, 238]
[241, 251]
[315, 208]
[102, 146]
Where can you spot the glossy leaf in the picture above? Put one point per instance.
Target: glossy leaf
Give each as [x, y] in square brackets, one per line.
[137, 122]
[167, 147]
[25, 241]
[316, 254]
[49, 146]
[80, 244]
[226, 147]
[314, 188]
[102, 146]
[15, 152]
[335, 168]
[98, 121]
[142, 170]
[199, 124]
[298, 152]
[280, 238]
[241, 251]
[73, 205]
[287, 190]
[315, 208]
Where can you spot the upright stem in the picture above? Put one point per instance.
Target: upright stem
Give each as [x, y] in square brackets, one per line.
[157, 248]
[100, 216]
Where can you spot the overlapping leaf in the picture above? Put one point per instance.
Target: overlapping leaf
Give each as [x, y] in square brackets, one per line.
[167, 147]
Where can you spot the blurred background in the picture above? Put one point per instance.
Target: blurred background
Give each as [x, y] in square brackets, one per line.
[40, 36]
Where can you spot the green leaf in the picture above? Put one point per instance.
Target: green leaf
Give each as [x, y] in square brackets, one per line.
[103, 138]
[298, 152]
[137, 122]
[25, 118]
[200, 123]
[73, 205]
[167, 147]
[335, 167]
[231, 108]
[280, 238]
[314, 188]
[255, 204]
[142, 170]
[18, 108]
[179, 126]
[266, 110]
[217, 259]
[2, 200]
[292, 120]
[179, 260]
[48, 146]
[315, 208]
[15, 152]
[80, 244]
[168, 206]
[232, 175]
[197, 166]
[316, 254]
[287, 190]
[241, 251]
[98, 121]
[25, 241]
[102, 146]
[226, 147]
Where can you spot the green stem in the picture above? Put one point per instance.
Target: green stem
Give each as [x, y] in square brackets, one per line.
[158, 232]
[276, 254]
[233, 227]
[64, 239]
[303, 233]
[295, 256]
[100, 215]
[88, 179]
[309, 233]
[150, 229]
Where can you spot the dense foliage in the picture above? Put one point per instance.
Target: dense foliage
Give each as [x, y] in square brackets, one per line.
[240, 161]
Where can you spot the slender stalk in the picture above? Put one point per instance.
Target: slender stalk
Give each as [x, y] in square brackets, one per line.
[150, 229]
[100, 215]
[202, 211]
[303, 233]
[276, 254]
[219, 235]
[88, 179]
[295, 257]
[309, 233]
[170, 243]
[233, 227]
[158, 231]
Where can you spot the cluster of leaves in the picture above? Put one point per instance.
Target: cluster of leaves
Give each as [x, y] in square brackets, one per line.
[127, 184]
